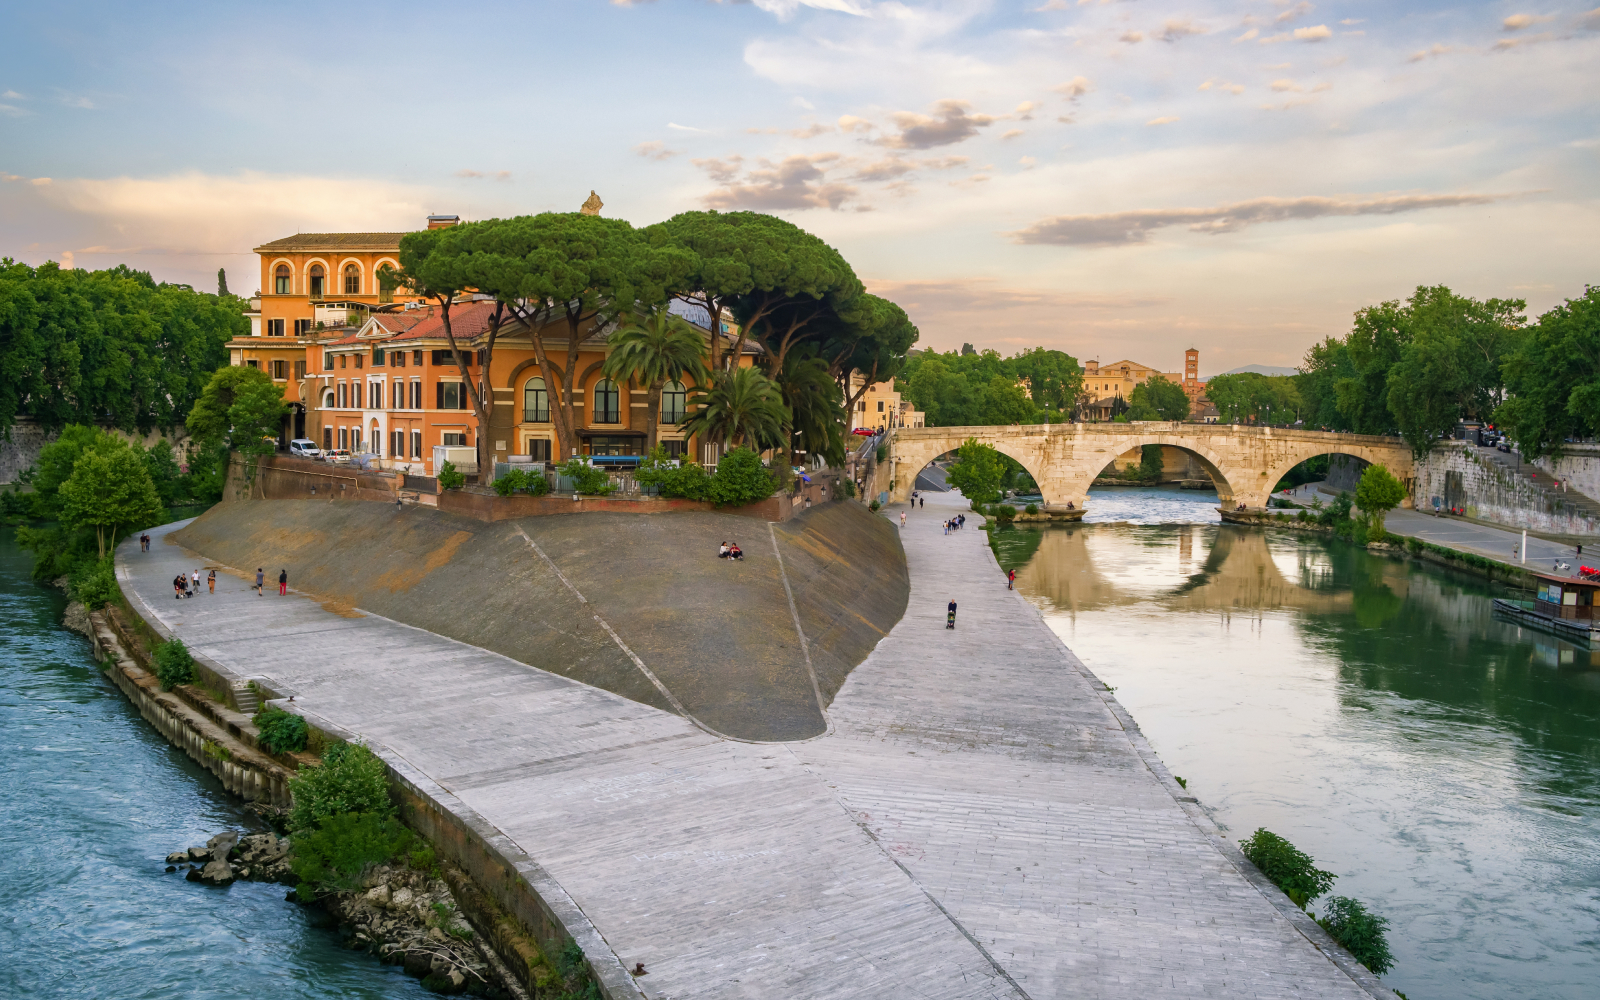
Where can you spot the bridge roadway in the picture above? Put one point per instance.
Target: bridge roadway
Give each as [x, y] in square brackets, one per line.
[1064, 459]
[981, 821]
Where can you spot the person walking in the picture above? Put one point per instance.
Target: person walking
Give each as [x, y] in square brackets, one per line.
[1011, 580]
[144, 543]
[902, 519]
[211, 580]
[261, 579]
[922, 501]
[283, 582]
[950, 616]
[196, 578]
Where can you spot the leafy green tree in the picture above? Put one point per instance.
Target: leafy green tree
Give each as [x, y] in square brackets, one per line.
[222, 282]
[1553, 379]
[165, 474]
[1158, 399]
[741, 479]
[741, 407]
[1362, 933]
[1054, 378]
[651, 351]
[1286, 867]
[240, 407]
[874, 345]
[1324, 366]
[1377, 494]
[976, 472]
[57, 460]
[1150, 463]
[351, 779]
[1375, 345]
[1251, 397]
[1450, 365]
[106, 347]
[109, 489]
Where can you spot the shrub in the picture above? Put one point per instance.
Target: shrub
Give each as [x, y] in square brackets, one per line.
[1303, 516]
[94, 584]
[687, 482]
[350, 779]
[882, 452]
[1286, 867]
[586, 479]
[1005, 513]
[174, 665]
[342, 847]
[848, 488]
[873, 506]
[1032, 508]
[740, 479]
[1362, 933]
[536, 484]
[512, 481]
[450, 477]
[280, 731]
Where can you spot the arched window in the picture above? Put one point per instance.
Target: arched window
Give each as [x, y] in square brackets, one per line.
[316, 281]
[329, 401]
[352, 280]
[281, 280]
[535, 402]
[605, 402]
[673, 398]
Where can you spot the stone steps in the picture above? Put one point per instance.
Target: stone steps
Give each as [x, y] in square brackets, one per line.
[1556, 500]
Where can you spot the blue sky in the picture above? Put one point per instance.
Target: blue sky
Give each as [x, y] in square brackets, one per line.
[1108, 178]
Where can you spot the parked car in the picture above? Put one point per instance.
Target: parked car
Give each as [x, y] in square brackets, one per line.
[340, 456]
[1504, 445]
[304, 448]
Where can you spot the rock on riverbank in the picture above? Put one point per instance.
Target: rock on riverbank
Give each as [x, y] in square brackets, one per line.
[403, 916]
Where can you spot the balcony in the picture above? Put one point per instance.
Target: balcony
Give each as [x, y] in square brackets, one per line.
[536, 416]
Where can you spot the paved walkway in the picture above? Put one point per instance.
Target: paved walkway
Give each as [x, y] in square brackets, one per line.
[981, 821]
[1504, 544]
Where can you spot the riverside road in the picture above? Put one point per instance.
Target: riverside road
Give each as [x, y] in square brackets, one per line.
[981, 819]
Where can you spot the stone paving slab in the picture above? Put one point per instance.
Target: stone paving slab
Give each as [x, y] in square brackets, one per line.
[979, 823]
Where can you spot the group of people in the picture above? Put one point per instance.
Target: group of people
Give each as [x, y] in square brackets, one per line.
[955, 523]
[188, 586]
[283, 582]
[730, 550]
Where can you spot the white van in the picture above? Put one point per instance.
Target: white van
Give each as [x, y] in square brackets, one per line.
[304, 448]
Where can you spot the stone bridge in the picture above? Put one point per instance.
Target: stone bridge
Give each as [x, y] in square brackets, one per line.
[1064, 459]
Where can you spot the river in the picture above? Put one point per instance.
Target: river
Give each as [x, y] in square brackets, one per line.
[93, 801]
[1443, 763]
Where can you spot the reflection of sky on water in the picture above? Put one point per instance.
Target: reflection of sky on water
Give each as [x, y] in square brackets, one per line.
[1444, 763]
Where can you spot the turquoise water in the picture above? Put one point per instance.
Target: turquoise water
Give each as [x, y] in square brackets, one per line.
[1445, 764]
[92, 802]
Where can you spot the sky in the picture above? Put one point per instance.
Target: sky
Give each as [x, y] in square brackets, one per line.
[1110, 179]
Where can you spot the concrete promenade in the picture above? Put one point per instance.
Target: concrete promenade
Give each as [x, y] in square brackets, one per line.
[981, 820]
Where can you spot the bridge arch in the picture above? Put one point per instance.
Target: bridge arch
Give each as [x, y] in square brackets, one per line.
[1401, 466]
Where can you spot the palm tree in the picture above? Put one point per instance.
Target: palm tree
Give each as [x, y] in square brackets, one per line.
[814, 400]
[742, 406]
[652, 351]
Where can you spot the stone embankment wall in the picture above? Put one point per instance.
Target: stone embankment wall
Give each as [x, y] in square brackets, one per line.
[1579, 467]
[1459, 475]
[719, 635]
[19, 450]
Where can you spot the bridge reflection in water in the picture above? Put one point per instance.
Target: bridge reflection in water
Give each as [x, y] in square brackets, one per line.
[1444, 763]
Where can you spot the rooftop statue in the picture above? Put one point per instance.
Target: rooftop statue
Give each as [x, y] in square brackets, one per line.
[592, 205]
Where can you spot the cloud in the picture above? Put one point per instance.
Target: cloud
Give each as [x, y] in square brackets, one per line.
[1516, 22]
[810, 131]
[1253, 32]
[1510, 43]
[655, 149]
[1318, 33]
[945, 162]
[1282, 85]
[801, 102]
[1177, 28]
[850, 123]
[1131, 228]
[12, 111]
[1012, 133]
[1028, 162]
[1132, 37]
[1590, 20]
[785, 9]
[683, 128]
[1053, 5]
[499, 175]
[1432, 53]
[798, 182]
[1352, 21]
[1074, 88]
[11, 95]
[630, 3]
[1298, 10]
[1025, 110]
[721, 171]
[1166, 120]
[950, 123]
[887, 169]
[1222, 85]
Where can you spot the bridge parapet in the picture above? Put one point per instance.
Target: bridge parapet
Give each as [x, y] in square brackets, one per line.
[1244, 462]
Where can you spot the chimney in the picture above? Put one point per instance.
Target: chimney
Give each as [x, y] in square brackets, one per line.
[442, 221]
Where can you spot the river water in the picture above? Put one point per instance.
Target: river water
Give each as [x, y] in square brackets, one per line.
[92, 802]
[1443, 763]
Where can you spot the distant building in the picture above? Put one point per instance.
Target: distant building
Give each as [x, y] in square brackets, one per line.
[881, 407]
[1109, 387]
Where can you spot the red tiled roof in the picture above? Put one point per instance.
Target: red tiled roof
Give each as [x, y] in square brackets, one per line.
[333, 241]
[466, 322]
